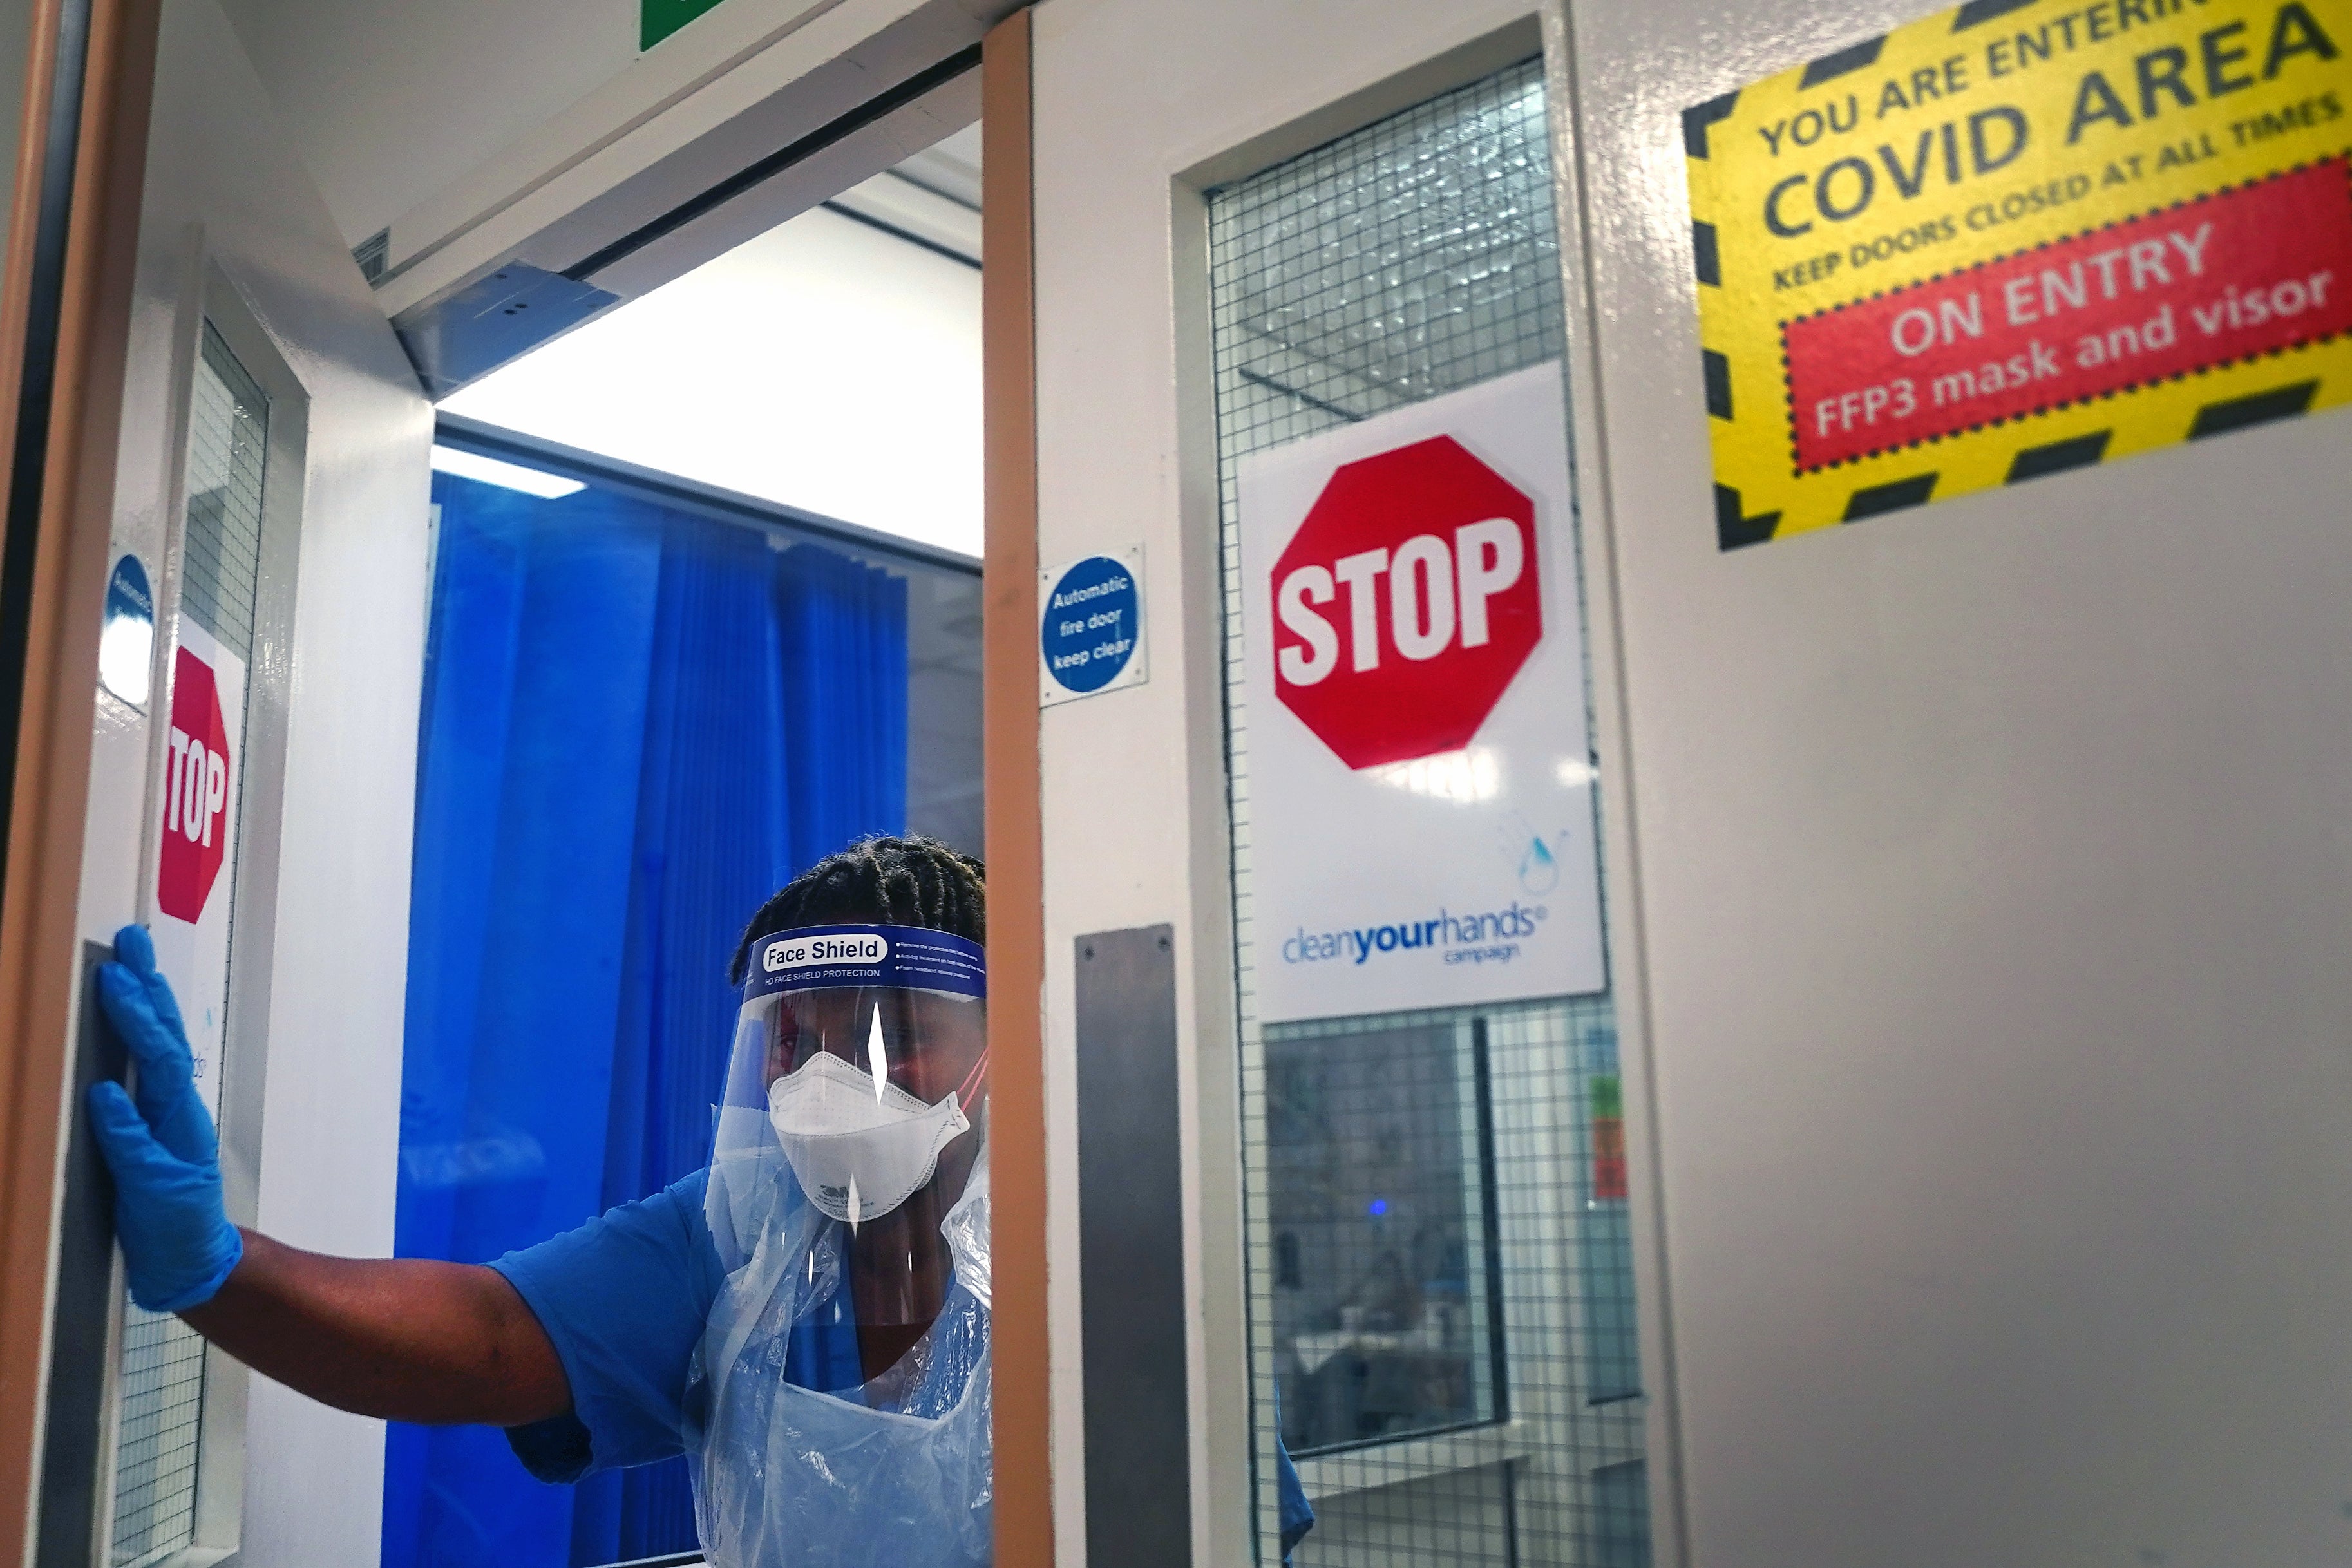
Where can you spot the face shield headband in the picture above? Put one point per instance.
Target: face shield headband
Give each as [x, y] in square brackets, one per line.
[865, 1048]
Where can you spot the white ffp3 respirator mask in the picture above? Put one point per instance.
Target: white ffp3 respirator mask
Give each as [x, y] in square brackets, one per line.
[858, 1153]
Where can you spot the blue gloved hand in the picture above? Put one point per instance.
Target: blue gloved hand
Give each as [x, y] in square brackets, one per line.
[178, 1246]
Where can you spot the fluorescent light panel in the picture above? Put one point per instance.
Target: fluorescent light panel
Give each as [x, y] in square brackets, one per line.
[512, 476]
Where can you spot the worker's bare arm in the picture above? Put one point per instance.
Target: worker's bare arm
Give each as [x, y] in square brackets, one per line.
[409, 1339]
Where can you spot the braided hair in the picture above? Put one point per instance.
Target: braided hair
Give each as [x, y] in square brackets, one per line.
[912, 881]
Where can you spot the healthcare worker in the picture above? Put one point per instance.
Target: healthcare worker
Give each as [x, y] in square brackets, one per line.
[807, 1317]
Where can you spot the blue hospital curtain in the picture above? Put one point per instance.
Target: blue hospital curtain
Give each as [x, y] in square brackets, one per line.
[637, 723]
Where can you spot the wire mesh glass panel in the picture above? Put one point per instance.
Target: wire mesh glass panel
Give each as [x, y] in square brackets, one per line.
[220, 574]
[1439, 1271]
[1621, 1509]
[1385, 1267]
[1458, 1516]
[162, 1388]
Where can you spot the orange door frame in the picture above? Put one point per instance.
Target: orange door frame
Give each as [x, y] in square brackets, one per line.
[65, 310]
[1016, 912]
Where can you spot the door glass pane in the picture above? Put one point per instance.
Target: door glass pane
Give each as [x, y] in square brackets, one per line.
[1377, 1145]
[227, 437]
[163, 1381]
[1441, 1285]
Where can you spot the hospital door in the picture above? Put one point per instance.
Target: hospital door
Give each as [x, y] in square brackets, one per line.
[250, 786]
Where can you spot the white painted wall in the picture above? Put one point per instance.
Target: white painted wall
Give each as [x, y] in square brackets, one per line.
[344, 672]
[1131, 95]
[826, 365]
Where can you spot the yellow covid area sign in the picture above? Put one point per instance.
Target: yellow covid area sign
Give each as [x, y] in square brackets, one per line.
[2015, 238]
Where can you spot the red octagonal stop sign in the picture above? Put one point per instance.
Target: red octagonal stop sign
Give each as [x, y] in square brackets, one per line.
[1406, 602]
[196, 779]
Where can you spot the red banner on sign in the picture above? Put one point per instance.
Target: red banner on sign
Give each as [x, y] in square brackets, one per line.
[1609, 1157]
[2253, 270]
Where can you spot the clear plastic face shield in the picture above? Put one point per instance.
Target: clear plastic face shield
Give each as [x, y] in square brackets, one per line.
[839, 1405]
[861, 1058]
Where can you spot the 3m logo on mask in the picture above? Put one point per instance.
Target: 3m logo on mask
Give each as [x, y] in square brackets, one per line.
[858, 1147]
[804, 952]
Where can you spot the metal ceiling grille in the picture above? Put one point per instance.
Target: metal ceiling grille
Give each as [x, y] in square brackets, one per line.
[1440, 1276]
[162, 1388]
[372, 253]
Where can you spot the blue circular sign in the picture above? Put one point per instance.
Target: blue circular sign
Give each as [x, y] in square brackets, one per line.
[126, 647]
[127, 595]
[1091, 624]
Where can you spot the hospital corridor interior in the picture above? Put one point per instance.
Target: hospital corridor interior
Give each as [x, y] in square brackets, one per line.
[1600, 751]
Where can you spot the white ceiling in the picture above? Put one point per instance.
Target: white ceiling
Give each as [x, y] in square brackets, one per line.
[826, 365]
[390, 102]
[951, 169]
[932, 198]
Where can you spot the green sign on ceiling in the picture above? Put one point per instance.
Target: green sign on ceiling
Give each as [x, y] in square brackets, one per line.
[657, 19]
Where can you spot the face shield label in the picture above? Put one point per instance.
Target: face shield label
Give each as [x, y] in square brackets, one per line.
[909, 957]
[801, 951]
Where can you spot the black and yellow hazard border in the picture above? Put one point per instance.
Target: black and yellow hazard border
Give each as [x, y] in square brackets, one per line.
[2118, 109]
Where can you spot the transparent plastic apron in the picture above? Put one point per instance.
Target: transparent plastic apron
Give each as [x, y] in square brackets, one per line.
[848, 1196]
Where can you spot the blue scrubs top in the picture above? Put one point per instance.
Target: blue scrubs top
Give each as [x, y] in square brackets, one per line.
[623, 1300]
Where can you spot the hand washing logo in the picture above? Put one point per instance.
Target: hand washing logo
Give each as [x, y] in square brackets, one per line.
[1539, 868]
[1533, 856]
[1492, 937]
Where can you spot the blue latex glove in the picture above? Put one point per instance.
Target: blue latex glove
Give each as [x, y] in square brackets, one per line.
[178, 1246]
